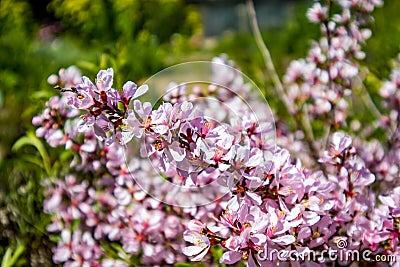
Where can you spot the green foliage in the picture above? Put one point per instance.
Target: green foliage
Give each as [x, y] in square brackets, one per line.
[12, 258]
[31, 139]
[217, 252]
[21, 219]
[133, 32]
[384, 44]
[21, 203]
[14, 27]
[105, 21]
[115, 251]
[15, 15]
[187, 264]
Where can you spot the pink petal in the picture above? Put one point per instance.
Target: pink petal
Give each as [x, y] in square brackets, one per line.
[177, 153]
[285, 239]
[230, 257]
[304, 233]
[387, 200]
[201, 255]
[61, 255]
[293, 213]
[258, 239]
[195, 225]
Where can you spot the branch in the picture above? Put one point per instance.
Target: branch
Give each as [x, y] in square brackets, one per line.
[304, 122]
[366, 97]
[267, 59]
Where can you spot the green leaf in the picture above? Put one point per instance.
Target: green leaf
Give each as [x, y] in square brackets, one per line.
[33, 160]
[42, 94]
[10, 259]
[7, 258]
[86, 65]
[55, 238]
[31, 139]
[183, 264]
[217, 254]
[120, 106]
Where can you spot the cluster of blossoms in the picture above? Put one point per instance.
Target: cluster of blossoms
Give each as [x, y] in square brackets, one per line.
[95, 201]
[156, 185]
[326, 75]
[289, 208]
[319, 86]
[104, 196]
[272, 202]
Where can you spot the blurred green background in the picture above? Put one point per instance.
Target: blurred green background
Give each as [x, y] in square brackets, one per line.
[137, 38]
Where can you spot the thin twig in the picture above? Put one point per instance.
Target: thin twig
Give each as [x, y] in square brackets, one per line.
[267, 59]
[367, 99]
[325, 137]
[304, 122]
[369, 103]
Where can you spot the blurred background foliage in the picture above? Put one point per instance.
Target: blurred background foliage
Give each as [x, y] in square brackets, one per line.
[137, 38]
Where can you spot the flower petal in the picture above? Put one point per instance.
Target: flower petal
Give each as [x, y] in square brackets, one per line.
[141, 90]
[285, 240]
[129, 89]
[230, 257]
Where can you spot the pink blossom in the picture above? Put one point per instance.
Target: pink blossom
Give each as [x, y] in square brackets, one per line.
[317, 13]
[200, 247]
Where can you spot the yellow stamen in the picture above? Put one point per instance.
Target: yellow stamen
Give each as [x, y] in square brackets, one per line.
[246, 225]
[198, 242]
[281, 214]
